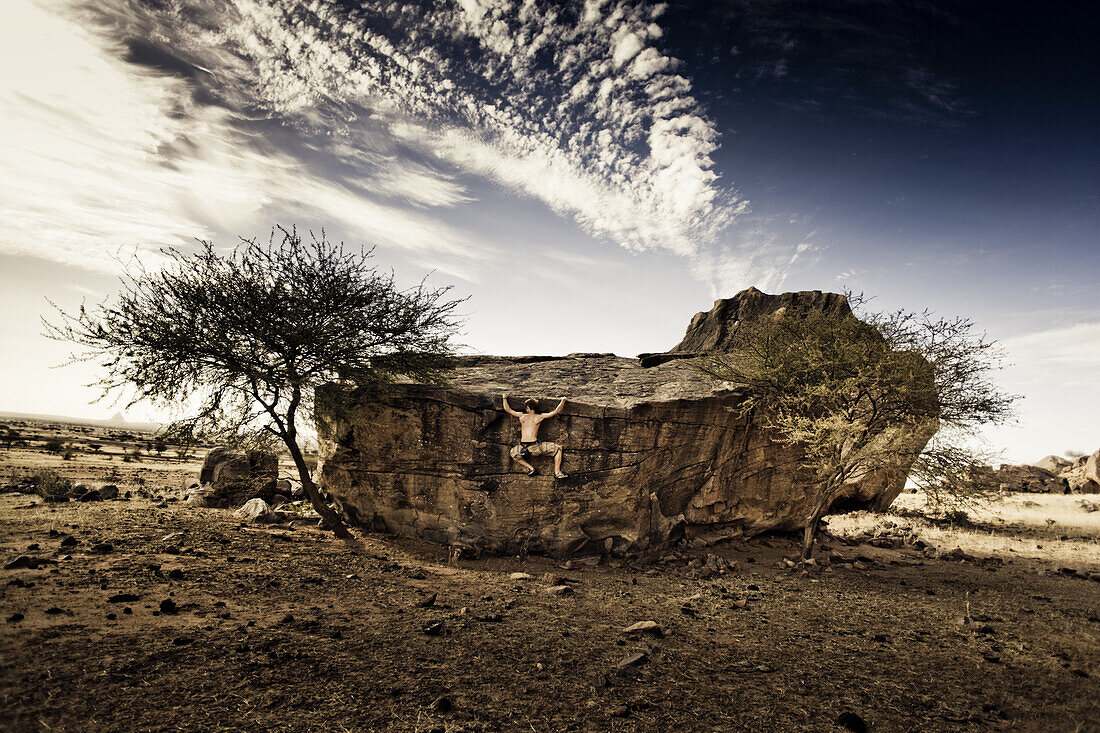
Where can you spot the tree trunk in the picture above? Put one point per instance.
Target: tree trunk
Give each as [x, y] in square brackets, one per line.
[331, 517]
[809, 535]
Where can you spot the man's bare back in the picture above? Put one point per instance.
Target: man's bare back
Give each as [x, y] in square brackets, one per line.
[529, 445]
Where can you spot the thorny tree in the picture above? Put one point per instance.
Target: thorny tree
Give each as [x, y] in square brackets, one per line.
[253, 332]
[863, 396]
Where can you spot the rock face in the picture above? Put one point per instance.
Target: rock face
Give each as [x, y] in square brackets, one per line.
[230, 477]
[654, 450]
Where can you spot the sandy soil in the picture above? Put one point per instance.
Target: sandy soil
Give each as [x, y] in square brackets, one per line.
[280, 628]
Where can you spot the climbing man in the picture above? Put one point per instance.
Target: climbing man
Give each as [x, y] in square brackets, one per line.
[529, 443]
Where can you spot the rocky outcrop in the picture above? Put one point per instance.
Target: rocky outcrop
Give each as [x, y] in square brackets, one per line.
[229, 477]
[1051, 475]
[654, 449]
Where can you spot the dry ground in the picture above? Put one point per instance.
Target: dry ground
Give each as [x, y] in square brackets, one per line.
[290, 629]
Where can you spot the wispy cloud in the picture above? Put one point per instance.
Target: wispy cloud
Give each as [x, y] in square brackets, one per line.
[380, 118]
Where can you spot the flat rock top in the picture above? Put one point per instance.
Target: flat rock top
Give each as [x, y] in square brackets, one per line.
[595, 379]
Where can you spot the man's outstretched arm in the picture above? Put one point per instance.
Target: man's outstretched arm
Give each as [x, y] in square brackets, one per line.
[507, 407]
[557, 410]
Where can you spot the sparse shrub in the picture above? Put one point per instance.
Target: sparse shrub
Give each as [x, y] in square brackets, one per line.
[958, 517]
[50, 484]
[68, 454]
[10, 436]
[54, 445]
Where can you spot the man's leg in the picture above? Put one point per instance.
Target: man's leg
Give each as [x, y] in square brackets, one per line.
[527, 466]
[557, 463]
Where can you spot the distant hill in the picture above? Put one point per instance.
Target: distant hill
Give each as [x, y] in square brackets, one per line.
[115, 422]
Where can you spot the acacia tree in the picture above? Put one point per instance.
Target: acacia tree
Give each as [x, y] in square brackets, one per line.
[250, 334]
[861, 397]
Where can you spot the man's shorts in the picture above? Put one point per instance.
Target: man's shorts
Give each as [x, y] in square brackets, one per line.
[544, 448]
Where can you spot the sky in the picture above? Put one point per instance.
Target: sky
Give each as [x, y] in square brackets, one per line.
[590, 174]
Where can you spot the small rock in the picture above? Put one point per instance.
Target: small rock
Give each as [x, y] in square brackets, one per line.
[108, 491]
[632, 660]
[169, 607]
[175, 574]
[123, 598]
[102, 548]
[15, 618]
[435, 628]
[651, 628]
[91, 495]
[258, 511]
[54, 610]
[22, 562]
[182, 640]
[560, 590]
[852, 722]
[427, 601]
[32, 547]
[741, 603]
[442, 704]
[70, 541]
[111, 617]
[521, 576]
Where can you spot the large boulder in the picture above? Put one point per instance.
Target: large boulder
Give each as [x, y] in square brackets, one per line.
[229, 477]
[654, 449]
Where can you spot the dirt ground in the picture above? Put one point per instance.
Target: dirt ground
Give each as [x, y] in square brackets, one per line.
[191, 620]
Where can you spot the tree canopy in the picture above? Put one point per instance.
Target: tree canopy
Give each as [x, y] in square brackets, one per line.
[251, 332]
[864, 396]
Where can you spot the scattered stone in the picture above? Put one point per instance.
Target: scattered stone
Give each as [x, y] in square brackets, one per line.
[521, 576]
[112, 617]
[175, 574]
[257, 511]
[91, 495]
[23, 562]
[650, 628]
[434, 628]
[182, 640]
[852, 722]
[741, 603]
[54, 610]
[70, 541]
[102, 548]
[560, 590]
[127, 611]
[108, 491]
[287, 619]
[632, 661]
[15, 618]
[169, 607]
[427, 601]
[123, 598]
[442, 704]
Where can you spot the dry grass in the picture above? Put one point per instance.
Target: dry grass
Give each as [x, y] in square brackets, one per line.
[1043, 529]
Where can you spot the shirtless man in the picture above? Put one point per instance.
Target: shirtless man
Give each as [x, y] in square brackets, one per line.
[530, 444]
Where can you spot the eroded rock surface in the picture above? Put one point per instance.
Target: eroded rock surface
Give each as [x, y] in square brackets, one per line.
[653, 452]
[229, 477]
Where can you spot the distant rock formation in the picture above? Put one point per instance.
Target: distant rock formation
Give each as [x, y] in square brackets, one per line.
[655, 451]
[1051, 475]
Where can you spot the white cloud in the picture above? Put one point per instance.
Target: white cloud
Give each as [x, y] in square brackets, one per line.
[105, 155]
[581, 112]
